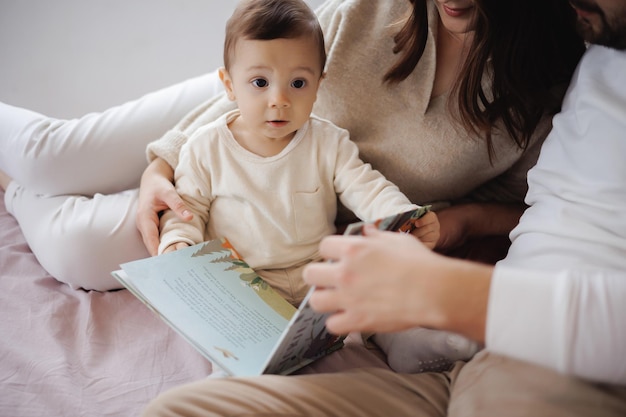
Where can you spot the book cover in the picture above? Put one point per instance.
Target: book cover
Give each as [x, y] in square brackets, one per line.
[401, 222]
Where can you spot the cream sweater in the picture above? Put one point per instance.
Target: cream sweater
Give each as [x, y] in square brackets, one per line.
[403, 132]
[274, 210]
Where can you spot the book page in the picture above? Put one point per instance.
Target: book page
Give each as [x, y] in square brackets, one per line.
[215, 301]
[305, 340]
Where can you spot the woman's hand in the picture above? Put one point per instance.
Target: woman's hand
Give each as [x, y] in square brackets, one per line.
[385, 282]
[462, 222]
[453, 228]
[157, 193]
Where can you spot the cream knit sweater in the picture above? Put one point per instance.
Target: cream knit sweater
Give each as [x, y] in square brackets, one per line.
[403, 132]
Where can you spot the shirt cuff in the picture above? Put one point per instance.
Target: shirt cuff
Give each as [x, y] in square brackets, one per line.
[522, 311]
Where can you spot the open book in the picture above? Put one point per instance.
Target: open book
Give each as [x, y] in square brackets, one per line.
[211, 297]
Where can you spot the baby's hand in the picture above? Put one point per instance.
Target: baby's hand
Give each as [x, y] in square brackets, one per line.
[427, 229]
[175, 246]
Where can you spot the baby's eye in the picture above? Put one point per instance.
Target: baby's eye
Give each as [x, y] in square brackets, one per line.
[259, 82]
[298, 83]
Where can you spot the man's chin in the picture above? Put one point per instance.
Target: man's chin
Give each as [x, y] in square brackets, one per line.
[600, 32]
[612, 41]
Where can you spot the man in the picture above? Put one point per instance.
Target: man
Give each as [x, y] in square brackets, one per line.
[552, 315]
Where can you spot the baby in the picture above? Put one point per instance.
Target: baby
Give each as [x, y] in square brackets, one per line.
[267, 176]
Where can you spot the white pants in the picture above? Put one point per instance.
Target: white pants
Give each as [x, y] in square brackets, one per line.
[74, 181]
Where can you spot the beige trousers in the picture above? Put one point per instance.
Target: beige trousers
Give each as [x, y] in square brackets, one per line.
[489, 385]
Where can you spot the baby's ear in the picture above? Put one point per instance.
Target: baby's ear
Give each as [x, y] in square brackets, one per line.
[228, 83]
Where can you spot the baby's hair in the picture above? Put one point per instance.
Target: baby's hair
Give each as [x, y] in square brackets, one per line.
[272, 19]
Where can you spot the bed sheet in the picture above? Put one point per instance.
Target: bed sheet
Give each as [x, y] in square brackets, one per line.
[79, 353]
[65, 352]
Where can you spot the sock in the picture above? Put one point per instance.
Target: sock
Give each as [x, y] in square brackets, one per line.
[424, 350]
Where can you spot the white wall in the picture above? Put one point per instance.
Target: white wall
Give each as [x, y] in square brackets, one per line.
[65, 58]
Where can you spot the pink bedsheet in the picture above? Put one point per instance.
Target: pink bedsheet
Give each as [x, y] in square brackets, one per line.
[76, 353]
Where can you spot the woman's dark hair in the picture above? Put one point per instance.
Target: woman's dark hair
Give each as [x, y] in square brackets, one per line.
[272, 19]
[528, 49]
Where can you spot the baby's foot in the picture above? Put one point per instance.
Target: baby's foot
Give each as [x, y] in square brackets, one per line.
[5, 180]
[424, 350]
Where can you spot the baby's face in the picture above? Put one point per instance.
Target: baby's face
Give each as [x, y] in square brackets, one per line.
[275, 84]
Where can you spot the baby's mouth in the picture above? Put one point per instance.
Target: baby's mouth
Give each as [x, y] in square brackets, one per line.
[277, 123]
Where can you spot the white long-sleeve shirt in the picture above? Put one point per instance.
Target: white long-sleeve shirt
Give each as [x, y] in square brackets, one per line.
[559, 297]
[275, 210]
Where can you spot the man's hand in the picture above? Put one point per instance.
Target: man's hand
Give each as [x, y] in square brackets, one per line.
[385, 282]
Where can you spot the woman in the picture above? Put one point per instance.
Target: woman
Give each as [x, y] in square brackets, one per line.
[452, 105]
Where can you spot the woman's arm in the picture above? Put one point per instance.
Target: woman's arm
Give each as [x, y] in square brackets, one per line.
[494, 208]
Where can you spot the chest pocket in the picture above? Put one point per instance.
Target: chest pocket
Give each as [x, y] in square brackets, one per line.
[313, 215]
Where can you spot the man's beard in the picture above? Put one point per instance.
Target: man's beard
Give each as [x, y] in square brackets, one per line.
[611, 32]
